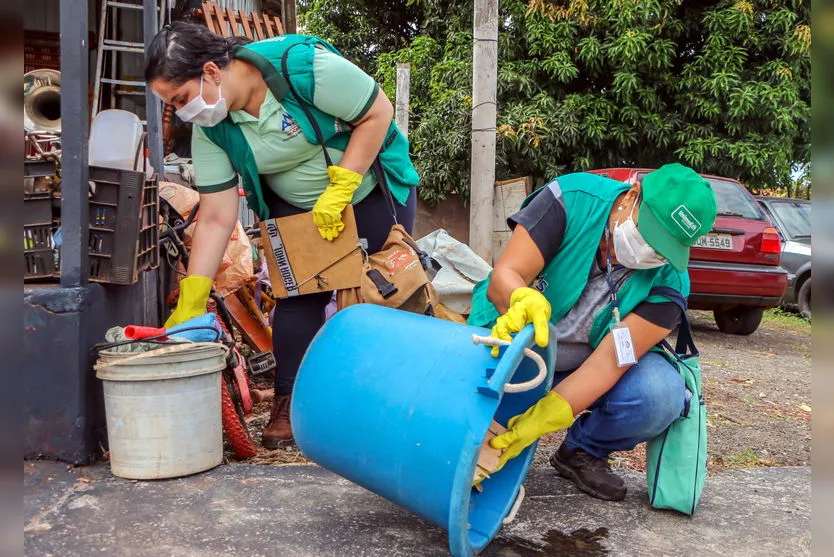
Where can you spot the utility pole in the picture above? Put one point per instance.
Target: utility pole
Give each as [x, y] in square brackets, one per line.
[402, 100]
[288, 18]
[484, 108]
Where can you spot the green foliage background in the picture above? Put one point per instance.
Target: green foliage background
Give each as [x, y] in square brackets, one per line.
[723, 86]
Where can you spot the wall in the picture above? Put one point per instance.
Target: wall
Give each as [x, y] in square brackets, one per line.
[451, 215]
[245, 5]
[42, 15]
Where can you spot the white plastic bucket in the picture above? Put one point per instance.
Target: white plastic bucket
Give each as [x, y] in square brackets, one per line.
[163, 410]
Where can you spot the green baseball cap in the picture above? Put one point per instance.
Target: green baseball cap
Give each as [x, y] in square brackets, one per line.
[678, 208]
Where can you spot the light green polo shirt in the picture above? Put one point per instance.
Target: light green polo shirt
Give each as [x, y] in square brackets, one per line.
[291, 166]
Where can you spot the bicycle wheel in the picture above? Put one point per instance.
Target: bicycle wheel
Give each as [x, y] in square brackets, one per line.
[234, 427]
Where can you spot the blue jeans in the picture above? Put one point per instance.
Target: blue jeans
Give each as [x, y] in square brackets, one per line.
[646, 399]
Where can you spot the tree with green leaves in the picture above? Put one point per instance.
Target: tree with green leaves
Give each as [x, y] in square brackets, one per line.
[722, 86]
[361, 29]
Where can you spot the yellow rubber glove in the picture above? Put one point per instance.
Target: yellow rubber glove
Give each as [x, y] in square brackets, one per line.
[194, 295]
[549, 414]
[526, 306]
[327, 212]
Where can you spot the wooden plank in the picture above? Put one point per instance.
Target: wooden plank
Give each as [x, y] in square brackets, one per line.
[278, 26]
[508, 197]
[268, 25]
[233, 22]
[221, 21]
[488, 457]
[259, 32]
[244, 22]
[528, 183]
[207, 15]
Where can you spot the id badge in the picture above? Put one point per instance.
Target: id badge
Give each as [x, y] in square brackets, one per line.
[623, 345]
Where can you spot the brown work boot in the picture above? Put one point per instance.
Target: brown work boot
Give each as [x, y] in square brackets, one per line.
[590, 474]
[278, 431]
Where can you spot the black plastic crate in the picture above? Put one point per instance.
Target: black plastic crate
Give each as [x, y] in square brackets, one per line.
[37, 208]
[37, 236]
[38, 252]
[39, 264]
[38, 244]
[124, 225]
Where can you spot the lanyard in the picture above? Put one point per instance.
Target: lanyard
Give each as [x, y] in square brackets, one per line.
[612, 288]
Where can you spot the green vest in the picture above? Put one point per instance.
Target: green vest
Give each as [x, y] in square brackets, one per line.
[269, 57]
[588, 200]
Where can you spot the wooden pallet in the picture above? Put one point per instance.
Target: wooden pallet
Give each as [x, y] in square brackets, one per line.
[488, 459]
[230, 23]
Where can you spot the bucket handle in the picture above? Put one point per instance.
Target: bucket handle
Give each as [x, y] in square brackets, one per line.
[526, 385]
[172, 349]
[517, 505]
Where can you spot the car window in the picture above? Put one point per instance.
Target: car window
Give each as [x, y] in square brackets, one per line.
[795, 216]
[731, 199]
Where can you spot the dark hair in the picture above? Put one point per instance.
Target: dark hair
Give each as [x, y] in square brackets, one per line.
[179, 51]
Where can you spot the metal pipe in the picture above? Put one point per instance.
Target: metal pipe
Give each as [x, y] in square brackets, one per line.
[153, 106]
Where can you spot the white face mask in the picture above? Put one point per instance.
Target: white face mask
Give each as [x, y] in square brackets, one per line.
[631, 249]
[198, 112]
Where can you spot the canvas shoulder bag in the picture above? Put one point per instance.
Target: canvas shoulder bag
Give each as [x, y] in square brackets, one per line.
[676, 460]
[397, 276]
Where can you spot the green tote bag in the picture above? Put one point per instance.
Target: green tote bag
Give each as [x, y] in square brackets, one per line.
[676, 460]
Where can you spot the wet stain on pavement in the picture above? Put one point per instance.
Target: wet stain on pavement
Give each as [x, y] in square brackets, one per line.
[579, 543]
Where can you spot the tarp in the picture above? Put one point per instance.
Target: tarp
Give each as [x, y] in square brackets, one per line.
[461, 269]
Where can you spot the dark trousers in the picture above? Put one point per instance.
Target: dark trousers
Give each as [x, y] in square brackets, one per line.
[298, 319]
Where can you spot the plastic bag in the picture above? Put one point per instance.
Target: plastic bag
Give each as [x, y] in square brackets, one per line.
[237, 266]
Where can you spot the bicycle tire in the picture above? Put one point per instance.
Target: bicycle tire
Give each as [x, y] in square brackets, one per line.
[242, 382]
[235, 428]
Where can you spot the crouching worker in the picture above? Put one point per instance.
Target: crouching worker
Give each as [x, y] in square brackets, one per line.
[605, 263]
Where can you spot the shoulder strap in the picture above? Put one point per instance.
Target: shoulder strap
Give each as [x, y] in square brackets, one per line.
[303, 105]
[685, 345]
[379, 172]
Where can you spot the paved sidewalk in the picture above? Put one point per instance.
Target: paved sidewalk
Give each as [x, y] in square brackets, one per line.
[305, 511]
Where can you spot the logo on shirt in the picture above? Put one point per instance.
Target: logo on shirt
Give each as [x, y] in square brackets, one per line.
[289, 127]
[540, 283]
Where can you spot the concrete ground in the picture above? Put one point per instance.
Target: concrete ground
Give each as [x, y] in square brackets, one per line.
[254, 511]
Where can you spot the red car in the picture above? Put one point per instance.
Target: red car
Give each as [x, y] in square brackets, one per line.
[734, 270]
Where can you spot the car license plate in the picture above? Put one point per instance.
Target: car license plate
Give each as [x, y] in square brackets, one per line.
[715, 241]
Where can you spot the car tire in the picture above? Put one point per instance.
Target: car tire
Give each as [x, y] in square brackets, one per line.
[740, 320]
[803, 299]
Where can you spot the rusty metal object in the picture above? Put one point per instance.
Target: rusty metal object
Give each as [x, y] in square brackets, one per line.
[253, 331]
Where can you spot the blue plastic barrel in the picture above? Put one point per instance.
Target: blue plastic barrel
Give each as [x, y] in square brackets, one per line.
[400, 403]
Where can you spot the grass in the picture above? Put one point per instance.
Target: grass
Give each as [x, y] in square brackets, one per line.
[743, 458]
[781, 319]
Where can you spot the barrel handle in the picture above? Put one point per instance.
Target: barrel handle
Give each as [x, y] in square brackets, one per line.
[517, 387]
[514, 510]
